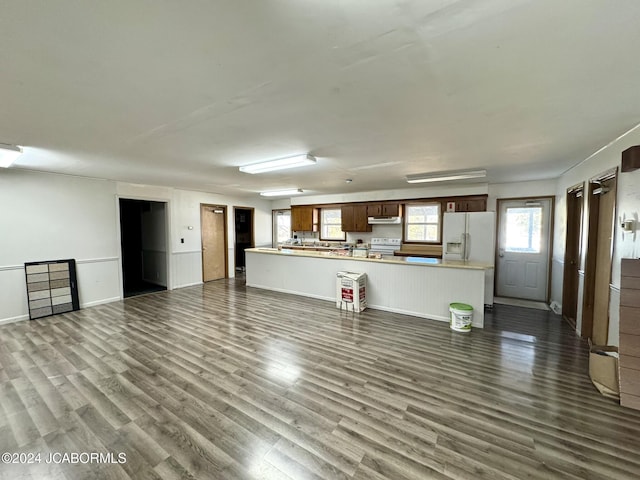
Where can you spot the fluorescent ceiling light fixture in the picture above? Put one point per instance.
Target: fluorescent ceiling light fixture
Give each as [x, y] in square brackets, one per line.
[279, 164]
[8, 154]
[279, 193]
[445, 176]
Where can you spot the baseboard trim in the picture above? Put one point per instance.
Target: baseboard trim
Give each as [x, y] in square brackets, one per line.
[100, 302]
[187, 285]
[372, 307]
[19, 318]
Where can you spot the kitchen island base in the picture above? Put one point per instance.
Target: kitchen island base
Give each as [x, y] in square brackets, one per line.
[395, 285]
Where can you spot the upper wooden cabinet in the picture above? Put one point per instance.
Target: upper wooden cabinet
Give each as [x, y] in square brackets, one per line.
[354, 218]
[383, 209]
[472, 205]
[304, 218]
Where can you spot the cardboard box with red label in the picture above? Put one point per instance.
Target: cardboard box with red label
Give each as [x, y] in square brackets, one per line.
[351, 291]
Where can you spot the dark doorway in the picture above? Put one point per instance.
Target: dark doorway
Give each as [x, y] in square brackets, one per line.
[143, 227]
[244, 234]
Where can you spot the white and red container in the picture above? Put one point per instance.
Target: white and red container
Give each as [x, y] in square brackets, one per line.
[351, 291]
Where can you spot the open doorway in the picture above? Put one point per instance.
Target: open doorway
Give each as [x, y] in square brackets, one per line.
[595, 309]
[143, 237]
[243, 234]
[572, 254]
[213, 223]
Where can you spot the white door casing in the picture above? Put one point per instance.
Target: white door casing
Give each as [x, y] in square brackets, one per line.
[523, 248]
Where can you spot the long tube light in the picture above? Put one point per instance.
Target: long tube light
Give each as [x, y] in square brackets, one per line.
[279, 164]
[279, 193]
[445, 176]
[9, 154]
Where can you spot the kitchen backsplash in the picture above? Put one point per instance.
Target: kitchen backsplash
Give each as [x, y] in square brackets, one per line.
[379, 231]
[383, 231]
[307, 236]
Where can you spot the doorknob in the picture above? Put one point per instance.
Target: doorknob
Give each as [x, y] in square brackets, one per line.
[501, 252]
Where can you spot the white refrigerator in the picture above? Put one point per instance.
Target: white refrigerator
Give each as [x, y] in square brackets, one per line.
[471, 236]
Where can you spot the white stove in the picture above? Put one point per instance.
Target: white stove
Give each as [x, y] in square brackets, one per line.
[385, 246]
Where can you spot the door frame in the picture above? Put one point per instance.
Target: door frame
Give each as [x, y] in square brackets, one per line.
[573, 249]
[168, 235]
[593, 212]
[552, 210]
[226, 238]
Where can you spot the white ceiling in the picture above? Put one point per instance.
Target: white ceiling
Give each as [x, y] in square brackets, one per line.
[181, 93]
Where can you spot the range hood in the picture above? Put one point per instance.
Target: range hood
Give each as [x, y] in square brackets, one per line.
[384, 220]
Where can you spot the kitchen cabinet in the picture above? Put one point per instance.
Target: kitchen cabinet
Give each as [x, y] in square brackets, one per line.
[471, 205]
[383, 209]
[354, 218]
[304, 218]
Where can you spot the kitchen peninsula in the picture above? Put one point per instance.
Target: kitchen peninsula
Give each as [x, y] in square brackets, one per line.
[422, 287]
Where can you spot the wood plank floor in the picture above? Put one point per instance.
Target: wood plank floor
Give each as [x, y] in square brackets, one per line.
[224, 382]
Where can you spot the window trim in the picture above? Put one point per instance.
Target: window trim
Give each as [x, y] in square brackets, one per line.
[321, 226]
[405, 222]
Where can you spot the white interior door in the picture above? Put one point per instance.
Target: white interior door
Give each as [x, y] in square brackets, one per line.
[523, 249]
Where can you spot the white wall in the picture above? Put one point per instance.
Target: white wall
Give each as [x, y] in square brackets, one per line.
[185, 265]
[50, 217]
[628, 205]
[539, 188]
[53, 217]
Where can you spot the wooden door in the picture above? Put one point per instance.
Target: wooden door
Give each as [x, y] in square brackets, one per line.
[575, 200]
[213, 219]
[604, 246]
[601, 201]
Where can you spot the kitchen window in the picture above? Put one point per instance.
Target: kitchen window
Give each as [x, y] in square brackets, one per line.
[422, 223]
[331, 224]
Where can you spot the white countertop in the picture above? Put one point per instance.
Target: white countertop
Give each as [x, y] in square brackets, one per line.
[419, 261]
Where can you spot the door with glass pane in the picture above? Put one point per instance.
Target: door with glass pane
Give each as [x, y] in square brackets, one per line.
[523, 248]
[281, 226]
